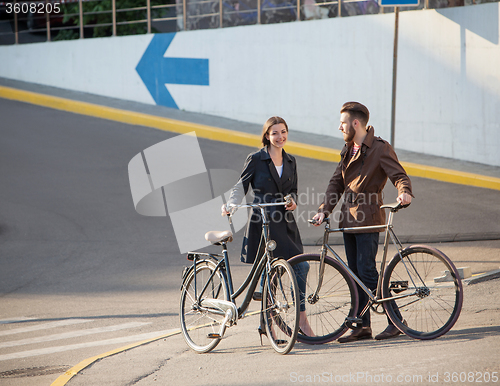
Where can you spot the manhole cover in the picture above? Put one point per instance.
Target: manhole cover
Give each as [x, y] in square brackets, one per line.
[33, 371]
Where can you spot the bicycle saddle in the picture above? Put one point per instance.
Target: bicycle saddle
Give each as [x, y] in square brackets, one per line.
[218, 237]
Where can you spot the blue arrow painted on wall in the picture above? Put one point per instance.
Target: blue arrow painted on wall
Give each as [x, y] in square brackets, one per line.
[156, 70]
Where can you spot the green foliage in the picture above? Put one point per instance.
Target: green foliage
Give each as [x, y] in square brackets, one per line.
[98, 16]
[66, 34]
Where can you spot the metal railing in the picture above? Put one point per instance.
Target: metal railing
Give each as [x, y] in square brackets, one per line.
[46, 23]
[178, 16]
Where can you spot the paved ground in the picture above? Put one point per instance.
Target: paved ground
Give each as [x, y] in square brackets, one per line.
[470, 348]
[82, 273]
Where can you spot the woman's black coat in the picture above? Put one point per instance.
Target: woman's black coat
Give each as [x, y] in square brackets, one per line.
[260, 173]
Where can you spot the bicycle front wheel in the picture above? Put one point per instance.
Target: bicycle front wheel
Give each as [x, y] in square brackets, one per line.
[280, 308]
[336, 300]
[200, 326]
[428, 290]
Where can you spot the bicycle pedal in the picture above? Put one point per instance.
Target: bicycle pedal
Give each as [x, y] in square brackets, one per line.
[213, 335]
[398, 286]
[257, 296]
[353, 322]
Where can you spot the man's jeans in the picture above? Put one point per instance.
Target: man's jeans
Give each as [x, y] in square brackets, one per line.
[361, 250]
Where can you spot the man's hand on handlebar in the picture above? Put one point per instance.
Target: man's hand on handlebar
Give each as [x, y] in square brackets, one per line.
[404, 199]
[318, 219]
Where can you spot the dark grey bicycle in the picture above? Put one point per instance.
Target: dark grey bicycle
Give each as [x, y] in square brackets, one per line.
[420, 289]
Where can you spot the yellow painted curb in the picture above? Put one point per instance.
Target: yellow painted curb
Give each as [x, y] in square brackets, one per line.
[229, 136]
[453, 176]
[64, 378]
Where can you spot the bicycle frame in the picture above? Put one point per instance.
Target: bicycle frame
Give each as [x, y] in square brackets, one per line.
[252, 279]
[389, 233]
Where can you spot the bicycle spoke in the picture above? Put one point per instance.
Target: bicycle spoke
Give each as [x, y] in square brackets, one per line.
[281, 313]
[335, 301]
[198, 323]
[434, 306]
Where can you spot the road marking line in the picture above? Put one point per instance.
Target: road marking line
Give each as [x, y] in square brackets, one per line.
[58, 349]
[44, 326]
[16, 320]
[229, 136]
[64, 378]
[72, 334]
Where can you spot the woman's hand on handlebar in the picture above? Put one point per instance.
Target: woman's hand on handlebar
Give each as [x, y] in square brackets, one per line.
[227, 210]
[291, 205]
[318, 219]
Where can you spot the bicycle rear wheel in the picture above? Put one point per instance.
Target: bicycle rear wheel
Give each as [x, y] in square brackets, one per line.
[198, 323]
[434, 298]
[280, 308]
[336, 300]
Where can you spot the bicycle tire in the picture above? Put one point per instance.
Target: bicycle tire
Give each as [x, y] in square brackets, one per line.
[196, 324]
[436, 304]
[338, 299]
[280, 307]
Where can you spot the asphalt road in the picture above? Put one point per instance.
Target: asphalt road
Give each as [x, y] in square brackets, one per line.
[82, 273]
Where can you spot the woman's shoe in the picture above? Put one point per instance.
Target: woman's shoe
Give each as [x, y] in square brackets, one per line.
[262, 331]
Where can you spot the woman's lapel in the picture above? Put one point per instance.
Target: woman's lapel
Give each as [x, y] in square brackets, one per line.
[272, 169]
[275, 175]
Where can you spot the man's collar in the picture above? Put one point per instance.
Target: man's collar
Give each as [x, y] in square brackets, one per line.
[370, 136]
[368, 141]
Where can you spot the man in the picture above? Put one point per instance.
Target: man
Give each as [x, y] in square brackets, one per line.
[366, 163]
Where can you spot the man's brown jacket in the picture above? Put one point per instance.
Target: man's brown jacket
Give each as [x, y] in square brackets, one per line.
[362, 179]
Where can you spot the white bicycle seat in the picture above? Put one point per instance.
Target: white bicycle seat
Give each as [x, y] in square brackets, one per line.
[217, 237]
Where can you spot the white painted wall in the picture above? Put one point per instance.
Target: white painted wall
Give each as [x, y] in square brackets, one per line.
[448, 94]
[449, 83]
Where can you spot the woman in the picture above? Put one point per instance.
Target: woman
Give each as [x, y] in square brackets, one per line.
[272, 174]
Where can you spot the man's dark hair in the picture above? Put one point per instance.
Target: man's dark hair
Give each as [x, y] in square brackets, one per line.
[356, 111]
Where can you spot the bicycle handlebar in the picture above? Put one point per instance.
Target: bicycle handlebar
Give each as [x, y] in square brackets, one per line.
[393, 207]
[288, 200]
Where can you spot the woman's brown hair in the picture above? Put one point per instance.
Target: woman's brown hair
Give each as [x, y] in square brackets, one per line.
[270, 123]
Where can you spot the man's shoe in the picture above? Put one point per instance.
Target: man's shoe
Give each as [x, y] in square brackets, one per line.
[357, 334]
[390, 332]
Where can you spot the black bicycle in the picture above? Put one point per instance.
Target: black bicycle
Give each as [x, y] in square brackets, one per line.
[208, 306]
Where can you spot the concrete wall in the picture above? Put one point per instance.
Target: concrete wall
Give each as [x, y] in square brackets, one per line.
[448, 93]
